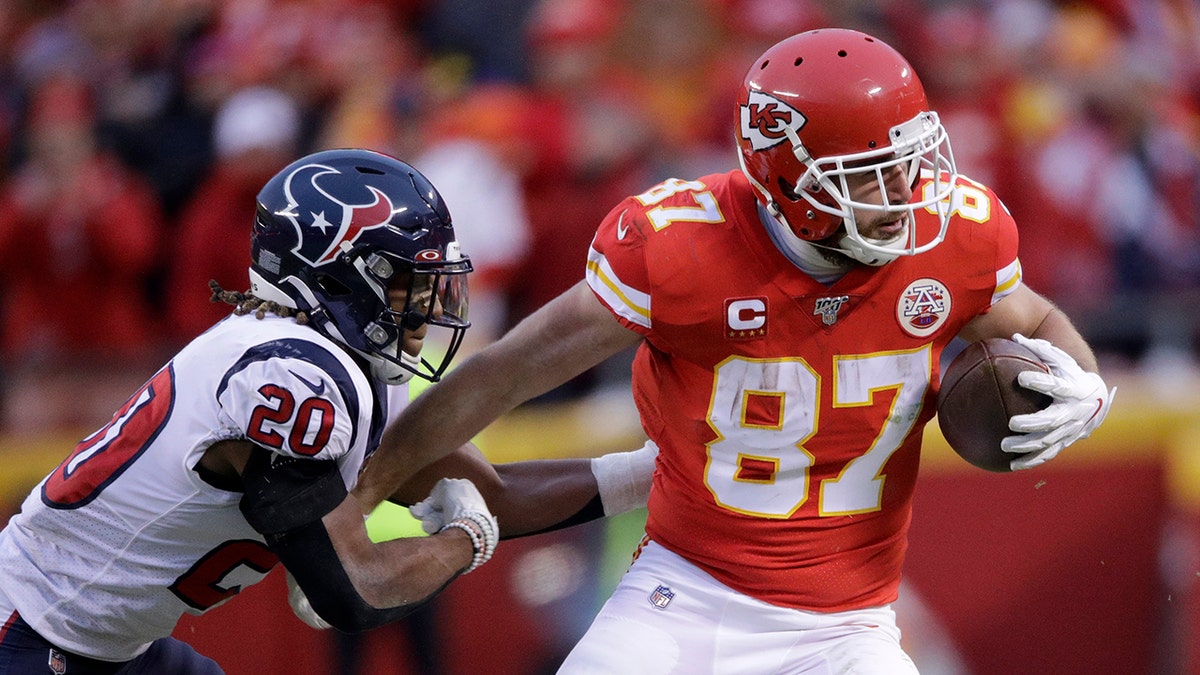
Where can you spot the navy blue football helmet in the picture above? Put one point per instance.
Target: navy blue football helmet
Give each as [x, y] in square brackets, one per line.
[336, 230]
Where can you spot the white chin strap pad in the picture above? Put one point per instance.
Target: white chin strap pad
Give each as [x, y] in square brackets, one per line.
[871, 256]
[393, 373]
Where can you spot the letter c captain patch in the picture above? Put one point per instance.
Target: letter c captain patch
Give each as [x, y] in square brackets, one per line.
[745, 318]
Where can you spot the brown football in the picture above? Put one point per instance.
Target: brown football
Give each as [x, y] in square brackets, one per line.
[979, 393]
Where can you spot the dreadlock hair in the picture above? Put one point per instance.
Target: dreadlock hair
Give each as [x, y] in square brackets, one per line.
[245, 303]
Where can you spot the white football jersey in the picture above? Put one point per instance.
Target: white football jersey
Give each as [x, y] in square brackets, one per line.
[123, 537]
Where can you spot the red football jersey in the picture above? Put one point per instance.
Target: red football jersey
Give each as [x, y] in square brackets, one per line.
[788, 412]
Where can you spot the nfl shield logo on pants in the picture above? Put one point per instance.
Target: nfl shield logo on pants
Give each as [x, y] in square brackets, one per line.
[661, 597]
[57, 662]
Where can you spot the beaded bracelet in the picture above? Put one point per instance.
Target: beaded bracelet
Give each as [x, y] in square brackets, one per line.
[481, 555]
[487, 530]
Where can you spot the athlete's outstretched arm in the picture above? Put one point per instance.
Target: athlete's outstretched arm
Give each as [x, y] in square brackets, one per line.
[535, 496]
[564, 338]
[302, 509]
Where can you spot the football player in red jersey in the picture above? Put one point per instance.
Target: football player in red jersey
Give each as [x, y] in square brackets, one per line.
[790, 317]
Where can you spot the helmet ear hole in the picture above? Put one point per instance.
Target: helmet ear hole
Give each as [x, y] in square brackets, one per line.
[331, 285]
[788, 190]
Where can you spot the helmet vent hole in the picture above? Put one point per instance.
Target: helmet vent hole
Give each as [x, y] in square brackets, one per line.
[799, 60]
[765, 64]
[368, 169]
[842, 52]
[331, 285]
[788, 191]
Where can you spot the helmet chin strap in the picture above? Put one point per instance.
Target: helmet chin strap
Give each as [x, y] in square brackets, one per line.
[851, 247]
[388, 370]
[872, 256]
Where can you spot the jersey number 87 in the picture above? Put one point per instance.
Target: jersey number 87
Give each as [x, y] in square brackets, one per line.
[765, 410]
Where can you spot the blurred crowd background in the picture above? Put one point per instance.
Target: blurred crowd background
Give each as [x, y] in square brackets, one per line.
[134, 135]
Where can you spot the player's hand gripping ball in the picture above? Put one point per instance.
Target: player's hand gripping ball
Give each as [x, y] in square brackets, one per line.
[980, 394]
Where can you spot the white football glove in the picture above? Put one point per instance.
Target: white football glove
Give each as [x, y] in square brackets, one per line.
[456, 503]
[301, 607]
[1081, 401]
[624, 478]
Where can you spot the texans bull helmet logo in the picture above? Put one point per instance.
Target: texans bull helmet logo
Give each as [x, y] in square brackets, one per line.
[339, 205]
[338, 210]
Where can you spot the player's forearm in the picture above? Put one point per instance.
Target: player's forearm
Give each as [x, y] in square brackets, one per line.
[403, 572]
[1058, 330]
[354, 584]
[1032, 315]
[538, 496]
[544, 495]
[439, 421]
[526, 497]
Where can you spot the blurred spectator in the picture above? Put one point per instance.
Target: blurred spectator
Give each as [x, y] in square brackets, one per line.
[371, 68]
[1101, 224]
[139, 59]
[668, 59]
[75, 227]
[488, 34]
[255, 134]
[1048, 102]
[78, 239]
[590, 146]
[477, 155]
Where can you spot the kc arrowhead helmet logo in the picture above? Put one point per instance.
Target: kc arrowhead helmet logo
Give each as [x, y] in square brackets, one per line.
[765, 118]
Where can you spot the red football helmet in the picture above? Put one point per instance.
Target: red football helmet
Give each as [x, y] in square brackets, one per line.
[826, 104]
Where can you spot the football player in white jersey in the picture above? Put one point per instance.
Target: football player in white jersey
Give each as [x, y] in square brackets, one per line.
[241, 451]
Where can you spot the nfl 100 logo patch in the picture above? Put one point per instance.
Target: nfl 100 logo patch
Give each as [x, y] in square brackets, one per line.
[661, 597]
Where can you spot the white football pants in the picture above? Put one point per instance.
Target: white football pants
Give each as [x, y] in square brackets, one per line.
[667, 616]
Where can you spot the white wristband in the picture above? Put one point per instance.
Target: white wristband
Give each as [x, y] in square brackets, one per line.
[624, 478]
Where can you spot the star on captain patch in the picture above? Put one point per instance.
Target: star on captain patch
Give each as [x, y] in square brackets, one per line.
[661, 597]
